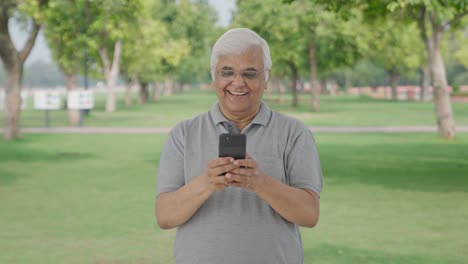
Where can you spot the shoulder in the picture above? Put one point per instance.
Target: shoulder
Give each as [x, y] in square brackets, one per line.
[287, 123]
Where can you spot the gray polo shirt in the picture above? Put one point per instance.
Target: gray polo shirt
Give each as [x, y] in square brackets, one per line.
[235, 225]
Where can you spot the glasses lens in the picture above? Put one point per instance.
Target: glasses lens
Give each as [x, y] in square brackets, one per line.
[227, 73]
[249, 74]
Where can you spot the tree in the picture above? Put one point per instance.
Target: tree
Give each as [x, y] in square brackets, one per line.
[396, 48]
[32, 12]
[304, 38]
[150, 49]
[436, 17]
[277, 23]
[65, 32]
[110, 21]
[195, 22]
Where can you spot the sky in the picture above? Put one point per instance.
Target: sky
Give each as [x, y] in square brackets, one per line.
[42, 52]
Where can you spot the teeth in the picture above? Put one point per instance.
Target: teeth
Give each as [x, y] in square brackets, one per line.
[234, 93]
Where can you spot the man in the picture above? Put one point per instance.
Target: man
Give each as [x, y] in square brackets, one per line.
[251, 213]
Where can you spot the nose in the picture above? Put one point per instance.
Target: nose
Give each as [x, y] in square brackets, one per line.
[238, 80]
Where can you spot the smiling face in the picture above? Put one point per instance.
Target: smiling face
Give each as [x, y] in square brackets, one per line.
[239, 97]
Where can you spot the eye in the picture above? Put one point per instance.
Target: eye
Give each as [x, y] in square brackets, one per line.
[249, 74]
[227, 73]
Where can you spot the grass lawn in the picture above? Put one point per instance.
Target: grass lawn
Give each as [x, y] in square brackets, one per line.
[342, 110]
[388, 198]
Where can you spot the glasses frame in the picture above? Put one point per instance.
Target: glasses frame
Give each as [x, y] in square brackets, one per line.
[244, 78]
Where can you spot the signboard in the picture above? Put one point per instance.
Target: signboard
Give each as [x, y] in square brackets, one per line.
[81, 99]
[47, 100]
[24, 100]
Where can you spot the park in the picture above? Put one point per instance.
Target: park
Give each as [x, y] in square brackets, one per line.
[77, 183]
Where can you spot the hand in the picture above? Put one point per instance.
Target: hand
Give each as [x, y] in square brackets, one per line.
[215, 168]
[246, 175]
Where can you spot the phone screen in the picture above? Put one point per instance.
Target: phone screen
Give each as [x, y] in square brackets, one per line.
[232, 145]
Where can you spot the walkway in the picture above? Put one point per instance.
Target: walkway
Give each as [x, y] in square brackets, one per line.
[163, 130]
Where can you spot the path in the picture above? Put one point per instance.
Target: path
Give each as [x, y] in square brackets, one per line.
[163, 130]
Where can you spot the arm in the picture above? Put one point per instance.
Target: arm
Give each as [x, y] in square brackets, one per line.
[299, 206]
[176, 208]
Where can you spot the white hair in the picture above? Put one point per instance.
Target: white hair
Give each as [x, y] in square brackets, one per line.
[236, 41]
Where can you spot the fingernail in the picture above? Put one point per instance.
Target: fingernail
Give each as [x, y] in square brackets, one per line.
[228, 175]
[236, 162]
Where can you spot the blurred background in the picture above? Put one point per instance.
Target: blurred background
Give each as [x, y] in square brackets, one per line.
[90, 88]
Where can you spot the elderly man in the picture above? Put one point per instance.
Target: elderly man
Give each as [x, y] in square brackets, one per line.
[247, 210]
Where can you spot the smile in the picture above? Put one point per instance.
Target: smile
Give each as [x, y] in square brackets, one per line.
[236, 93]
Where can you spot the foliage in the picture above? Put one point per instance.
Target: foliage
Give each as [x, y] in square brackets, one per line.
[290, 28]
[396, 47]
[149, 47]
[193, 24]
[66, 33]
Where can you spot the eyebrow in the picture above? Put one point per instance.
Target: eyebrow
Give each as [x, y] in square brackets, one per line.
[246, 69]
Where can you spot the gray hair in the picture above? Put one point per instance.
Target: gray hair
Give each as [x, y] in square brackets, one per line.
[237, 40]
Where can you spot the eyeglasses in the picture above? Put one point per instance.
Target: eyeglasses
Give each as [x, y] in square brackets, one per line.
[229, 75]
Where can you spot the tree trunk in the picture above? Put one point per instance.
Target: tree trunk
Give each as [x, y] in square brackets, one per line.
[314, 82]
[347, 79]
[130, 82]
[169, 87]
[323, 86]
[282, 90]
[293, 83]
[156, 92]
[424, 82]
[394, 80]
[144, 93]
[443, 105]
[425, 68]
[12, 109]
[73, 114]
[128, 94]
[13, 61]
[111, 72]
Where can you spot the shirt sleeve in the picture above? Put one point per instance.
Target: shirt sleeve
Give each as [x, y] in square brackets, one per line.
[303, 164]
[171, 164]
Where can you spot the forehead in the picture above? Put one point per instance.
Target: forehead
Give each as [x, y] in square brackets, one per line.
[251, 57]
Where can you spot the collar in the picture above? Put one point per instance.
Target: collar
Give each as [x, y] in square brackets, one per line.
[262, 117]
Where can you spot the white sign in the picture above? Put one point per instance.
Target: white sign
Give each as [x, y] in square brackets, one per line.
[83, 99]
[47, 100]
[24, 100]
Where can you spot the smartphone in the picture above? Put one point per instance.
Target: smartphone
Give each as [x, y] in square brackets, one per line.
[232, 145]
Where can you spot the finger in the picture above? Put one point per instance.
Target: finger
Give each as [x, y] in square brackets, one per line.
[249, 163]
[223, 169]
[245, 171]
[220, 161]
[248, 156]
[236, 177]
[238, 181]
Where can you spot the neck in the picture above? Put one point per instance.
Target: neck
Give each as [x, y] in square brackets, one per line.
[240, 121]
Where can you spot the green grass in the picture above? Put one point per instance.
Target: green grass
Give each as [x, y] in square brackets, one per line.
[344, 110]
[388, 198]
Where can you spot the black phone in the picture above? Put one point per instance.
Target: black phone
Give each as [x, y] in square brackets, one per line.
[232, 145]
